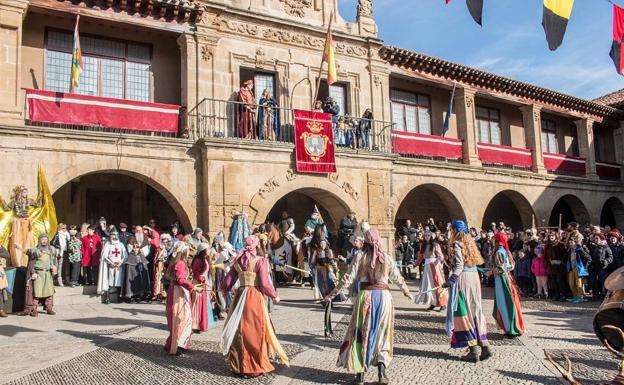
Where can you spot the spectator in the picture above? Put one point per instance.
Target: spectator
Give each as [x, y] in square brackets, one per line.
[576, 268]
[522, 273]
[617, 249]
[124, 234]
[405, 257]
[540, 270]
[555, 253]
[601, 259]
[364, 129]
[74, 255]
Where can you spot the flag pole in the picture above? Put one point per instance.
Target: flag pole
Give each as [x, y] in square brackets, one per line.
[318, 80]
[72, 88]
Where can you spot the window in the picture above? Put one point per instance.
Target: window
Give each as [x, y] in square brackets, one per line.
[338, 92]
[262, 81]
[549, 137]
[411, 112]
[112, 68]
[488, 125]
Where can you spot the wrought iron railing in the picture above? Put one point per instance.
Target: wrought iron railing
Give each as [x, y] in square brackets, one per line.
[214, 118]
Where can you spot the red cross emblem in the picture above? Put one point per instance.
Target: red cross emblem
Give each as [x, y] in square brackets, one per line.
[116, 252]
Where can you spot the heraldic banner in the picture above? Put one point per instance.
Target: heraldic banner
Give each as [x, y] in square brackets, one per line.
[314, 142]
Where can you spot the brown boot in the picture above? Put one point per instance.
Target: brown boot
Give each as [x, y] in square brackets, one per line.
[51, 312]
[472, 355]
[3, 314]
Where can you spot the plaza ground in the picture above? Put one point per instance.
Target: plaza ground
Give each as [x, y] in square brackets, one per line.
[91, 343]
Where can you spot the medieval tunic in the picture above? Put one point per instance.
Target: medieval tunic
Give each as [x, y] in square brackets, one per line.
[40, 290]
[268, 119]
[465, 322]
[246, 113]
[507, 311]
[21, 231]
[431, 291]
[136, 277]
[179, 316]
[111, 266]
[199, 300]
[324, 272]
[369, 340]
[248, 339]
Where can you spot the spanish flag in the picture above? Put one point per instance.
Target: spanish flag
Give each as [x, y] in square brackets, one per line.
[618, 39]
[329, 57]
[77, 64]
[555, 20]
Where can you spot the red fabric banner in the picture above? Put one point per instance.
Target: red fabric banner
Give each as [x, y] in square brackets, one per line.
[609, 170]
[409, 143]
[82, 110]
[505, 155]
[564, 163]
[314, 142]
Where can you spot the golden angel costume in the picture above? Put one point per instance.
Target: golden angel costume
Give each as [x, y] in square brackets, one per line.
[22, 220]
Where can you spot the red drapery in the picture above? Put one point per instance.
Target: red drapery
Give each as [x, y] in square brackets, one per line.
[82, 110]
[564, 163]
[505, 155]
[314, 142]
[409, 143]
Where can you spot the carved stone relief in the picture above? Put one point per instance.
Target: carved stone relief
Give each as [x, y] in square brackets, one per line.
[296, 8]
[365, 8]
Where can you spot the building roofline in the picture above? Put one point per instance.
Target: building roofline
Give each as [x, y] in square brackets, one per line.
[471, 76]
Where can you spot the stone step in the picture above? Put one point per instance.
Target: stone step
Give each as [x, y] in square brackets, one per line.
[75, 295]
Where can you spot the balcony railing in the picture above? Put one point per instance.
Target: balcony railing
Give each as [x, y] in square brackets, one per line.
[609, 171]
[423, 146]
[93, 113]
[213, 118]
[495, 155]
[564, 164]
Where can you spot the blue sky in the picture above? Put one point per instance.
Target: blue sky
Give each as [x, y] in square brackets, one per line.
[511, 41]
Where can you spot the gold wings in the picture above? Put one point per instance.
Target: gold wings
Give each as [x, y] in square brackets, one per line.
[42, 215]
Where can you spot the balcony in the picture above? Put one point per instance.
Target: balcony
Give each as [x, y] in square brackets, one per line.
[495, 155]
[422, 146]
[564, 164]
[213, 118]
[93, 113]
[609, 171]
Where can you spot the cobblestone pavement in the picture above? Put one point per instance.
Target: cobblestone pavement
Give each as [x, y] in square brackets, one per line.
[91, 343]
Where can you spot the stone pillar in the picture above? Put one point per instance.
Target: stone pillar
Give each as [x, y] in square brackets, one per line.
[365, 21]
[188, 69]
[585, 132]
[12, 13]
[465, 109]
[379, 105]
[532, 120]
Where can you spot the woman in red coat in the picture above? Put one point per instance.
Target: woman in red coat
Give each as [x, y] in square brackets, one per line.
[199, 300]
[91, 249]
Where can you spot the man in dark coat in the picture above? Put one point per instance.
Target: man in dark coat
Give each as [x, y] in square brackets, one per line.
[617, 249]
[601, 258]
[347, 228]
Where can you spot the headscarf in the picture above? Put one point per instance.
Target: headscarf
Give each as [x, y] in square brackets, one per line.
[248, 252]
[372, 238]
[460, 226]
[501, 239]
[217, 239]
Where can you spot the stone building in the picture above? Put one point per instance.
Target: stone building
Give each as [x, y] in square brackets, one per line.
[513, 152]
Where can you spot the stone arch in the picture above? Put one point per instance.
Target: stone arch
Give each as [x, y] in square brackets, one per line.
[429, 200]
[571, 209]
[511, 207]
[336, 201]
[612, 213]
[141, 172]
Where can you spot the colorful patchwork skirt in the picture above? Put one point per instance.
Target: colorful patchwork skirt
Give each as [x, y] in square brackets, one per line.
[507, 310]
[465, 322]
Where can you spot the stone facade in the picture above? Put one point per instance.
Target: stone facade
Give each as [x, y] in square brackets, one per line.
[205, 181]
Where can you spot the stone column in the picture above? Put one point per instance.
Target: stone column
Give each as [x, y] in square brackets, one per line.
[379, 105]
[465, 109]
[532, 120]
[12, 13]
[188, 69]
[585, 133]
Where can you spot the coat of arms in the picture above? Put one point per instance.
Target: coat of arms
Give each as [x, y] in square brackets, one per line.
[314, 141]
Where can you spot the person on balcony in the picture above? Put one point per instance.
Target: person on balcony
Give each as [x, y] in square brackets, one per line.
[247, 111]
[364, 128]
[268, 117]
[347, 126]
[318, 106]
[331, 107]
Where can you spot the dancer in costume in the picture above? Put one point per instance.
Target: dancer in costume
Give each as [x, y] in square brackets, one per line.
[178, 310]
[431, 291]
[137, 287]
[507, 311]
[248, 339]
[239, 231]
[324, 267]
[40, 277]
[465, 322]
[369, 339]
[221, 253]
[199, 299]
[110, 276]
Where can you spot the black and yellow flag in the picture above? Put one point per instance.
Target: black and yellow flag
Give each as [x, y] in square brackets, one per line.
[555, 20]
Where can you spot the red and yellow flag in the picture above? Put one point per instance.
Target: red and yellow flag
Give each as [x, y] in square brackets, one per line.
[77, 64]
[329, 57]
[618, 39]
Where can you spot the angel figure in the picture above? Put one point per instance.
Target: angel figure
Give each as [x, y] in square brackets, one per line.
[23, 219]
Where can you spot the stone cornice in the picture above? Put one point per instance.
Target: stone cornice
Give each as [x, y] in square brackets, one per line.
[485, 80]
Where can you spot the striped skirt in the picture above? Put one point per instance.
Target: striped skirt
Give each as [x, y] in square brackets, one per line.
[179, 319]
[432, 278]
[465, 322]
[507, 310]
[370, 336]
[248, 339]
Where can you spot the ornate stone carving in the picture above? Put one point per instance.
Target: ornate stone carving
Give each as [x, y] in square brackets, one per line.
[296, 8]
[344, 185]
[469, 101]
[268, 187]
[536, 116]
[365, 8]
[377, 80]
[206, 53]
[291, 175]
[389, 213]
[285, 36]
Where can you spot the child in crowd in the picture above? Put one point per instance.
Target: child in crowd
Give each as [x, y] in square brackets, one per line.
[522, 272]
[539, 269]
